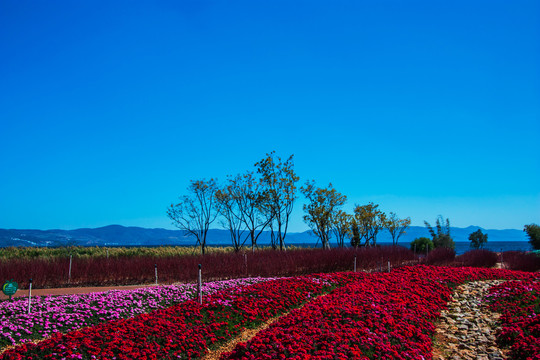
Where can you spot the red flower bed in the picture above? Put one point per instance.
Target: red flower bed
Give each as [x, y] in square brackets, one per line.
[384, 316]
[372, 316]
[186, 330]
[519, 305]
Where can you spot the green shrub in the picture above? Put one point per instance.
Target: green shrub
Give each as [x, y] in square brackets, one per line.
[422, 244]
[533, 232]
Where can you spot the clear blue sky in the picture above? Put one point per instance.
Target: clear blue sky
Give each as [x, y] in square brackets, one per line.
[108, 109]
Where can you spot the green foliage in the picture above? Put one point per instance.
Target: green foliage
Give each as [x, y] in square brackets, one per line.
[370, 221]
[396, 227]
[478, 239]
[421, 244]
[441, 234]
[342, 226]
[321, 210]
[533, 232]
[279, 189]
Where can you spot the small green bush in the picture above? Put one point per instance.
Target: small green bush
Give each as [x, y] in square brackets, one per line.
[422, 244]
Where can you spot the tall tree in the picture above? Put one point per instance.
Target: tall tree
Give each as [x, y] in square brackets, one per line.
[279, 181]
[342, 226]
[478, 239]
[441, 234]
[370, 221]
[230, 214]
[321, 209]
[252, 205]
[195, 212]
[396, 226]
[533, 232]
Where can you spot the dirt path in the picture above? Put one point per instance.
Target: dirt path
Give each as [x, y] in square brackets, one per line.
[70, 291]
[245, 336]
[249, 334]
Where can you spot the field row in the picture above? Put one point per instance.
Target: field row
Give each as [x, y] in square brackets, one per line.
[366, 316]
[219, 266]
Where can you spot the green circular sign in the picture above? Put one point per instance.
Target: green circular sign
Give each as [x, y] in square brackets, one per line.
[10, 288]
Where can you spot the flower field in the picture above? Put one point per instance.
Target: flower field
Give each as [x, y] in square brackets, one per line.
[363, 316]
[519, 305]
[71, 312]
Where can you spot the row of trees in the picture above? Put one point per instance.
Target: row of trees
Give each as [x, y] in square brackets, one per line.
[247, 204]
[440, 237]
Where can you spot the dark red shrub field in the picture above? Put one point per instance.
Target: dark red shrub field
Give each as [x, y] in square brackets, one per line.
[518, 260]
[440, 256]
[478, 258]
[48, 273]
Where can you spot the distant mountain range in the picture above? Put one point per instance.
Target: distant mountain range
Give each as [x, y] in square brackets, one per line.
[117, 235]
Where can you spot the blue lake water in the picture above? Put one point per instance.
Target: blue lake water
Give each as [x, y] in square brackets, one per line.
[496, 246]
[463, 246]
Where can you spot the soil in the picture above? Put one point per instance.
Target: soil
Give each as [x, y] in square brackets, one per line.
[70, 291]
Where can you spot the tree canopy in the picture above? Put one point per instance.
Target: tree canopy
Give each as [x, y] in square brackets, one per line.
[396, 226]
[370, 221]
[533, 232]
[321, 210]
[478, 239]
[441, 234]
[279, 190]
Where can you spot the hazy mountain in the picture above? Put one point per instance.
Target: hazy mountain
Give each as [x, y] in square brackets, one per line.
[116, 235]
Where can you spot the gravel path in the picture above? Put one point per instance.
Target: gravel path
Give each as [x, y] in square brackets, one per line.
[467, 327]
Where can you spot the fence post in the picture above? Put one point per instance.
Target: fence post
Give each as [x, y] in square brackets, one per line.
[388, 266]
[29, 296]
[155, 270]
[199, 286]
[354, 267]
[69, 272]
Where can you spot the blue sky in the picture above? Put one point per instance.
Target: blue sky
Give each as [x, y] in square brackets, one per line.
[107, 110]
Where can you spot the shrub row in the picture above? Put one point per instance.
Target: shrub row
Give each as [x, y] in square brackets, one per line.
[218, 266]
[514, 260]
[518, 260]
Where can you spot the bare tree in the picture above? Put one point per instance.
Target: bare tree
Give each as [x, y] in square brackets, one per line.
[279, 181]
[230, 213]
[252, 205]
[396, 227]
[321, 210]
[195, 212]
